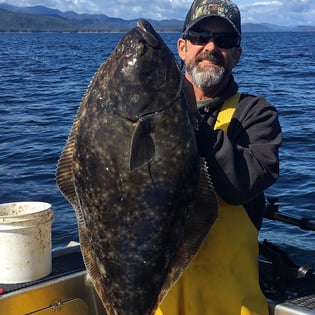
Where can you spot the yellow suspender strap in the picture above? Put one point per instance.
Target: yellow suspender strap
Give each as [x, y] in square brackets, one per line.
[227, 111]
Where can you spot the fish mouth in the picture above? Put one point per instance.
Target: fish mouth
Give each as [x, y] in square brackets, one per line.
[149, 34]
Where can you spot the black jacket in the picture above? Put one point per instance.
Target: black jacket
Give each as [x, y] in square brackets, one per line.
[245, 161]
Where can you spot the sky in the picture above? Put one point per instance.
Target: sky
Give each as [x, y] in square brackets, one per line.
[280, 12]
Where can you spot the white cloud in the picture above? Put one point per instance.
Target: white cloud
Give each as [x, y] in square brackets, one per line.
[293, 12]
[282, 12]
[267, 3]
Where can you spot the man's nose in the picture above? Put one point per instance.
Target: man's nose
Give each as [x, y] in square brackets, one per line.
[210, 46]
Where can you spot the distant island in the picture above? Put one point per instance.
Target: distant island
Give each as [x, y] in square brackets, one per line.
[43, 19]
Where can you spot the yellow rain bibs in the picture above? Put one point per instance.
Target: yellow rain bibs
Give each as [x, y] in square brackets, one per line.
[223, 278]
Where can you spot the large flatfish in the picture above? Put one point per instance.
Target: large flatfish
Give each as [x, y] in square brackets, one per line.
[131, 170]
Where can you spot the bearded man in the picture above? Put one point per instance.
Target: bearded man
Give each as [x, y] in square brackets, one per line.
[239, 136]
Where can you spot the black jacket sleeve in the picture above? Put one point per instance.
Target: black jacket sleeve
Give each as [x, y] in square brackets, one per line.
[244, 161]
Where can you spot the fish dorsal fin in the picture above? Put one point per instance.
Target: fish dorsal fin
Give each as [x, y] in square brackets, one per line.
[142, 148]
[64, 173]
[196, 229]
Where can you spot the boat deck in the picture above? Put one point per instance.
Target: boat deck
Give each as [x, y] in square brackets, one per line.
[67, 290]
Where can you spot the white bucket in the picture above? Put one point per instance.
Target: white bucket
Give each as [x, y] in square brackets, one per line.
[25, 241]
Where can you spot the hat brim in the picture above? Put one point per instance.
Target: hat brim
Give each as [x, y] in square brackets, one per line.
[190, 26]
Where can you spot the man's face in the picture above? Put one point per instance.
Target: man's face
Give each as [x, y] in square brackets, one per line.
[209, 65]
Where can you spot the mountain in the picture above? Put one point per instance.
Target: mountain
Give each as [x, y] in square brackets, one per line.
[43, 19]
[18, 22]
[267, 27]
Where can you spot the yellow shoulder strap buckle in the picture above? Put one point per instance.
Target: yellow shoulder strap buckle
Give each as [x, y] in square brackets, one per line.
[227, 111]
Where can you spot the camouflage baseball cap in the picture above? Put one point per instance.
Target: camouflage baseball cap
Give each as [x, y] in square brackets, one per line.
[225, 9]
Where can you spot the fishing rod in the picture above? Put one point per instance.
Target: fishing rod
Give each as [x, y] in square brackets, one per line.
[272, 213]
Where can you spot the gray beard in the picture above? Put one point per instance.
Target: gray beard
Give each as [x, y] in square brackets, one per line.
[208, 78]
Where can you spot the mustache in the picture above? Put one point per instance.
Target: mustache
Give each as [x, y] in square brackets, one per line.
[211, 57]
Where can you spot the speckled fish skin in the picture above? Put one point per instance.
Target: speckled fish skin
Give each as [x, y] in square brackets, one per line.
[131, 170]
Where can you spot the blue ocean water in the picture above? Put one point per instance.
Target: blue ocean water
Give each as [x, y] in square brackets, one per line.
[44, 76]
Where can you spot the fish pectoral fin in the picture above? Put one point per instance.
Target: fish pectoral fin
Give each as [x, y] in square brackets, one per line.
[142, 148]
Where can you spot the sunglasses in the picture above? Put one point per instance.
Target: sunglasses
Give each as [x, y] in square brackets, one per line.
[222, 40]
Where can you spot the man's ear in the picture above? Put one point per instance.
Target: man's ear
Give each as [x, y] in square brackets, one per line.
[237, 55]
[181, 48]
